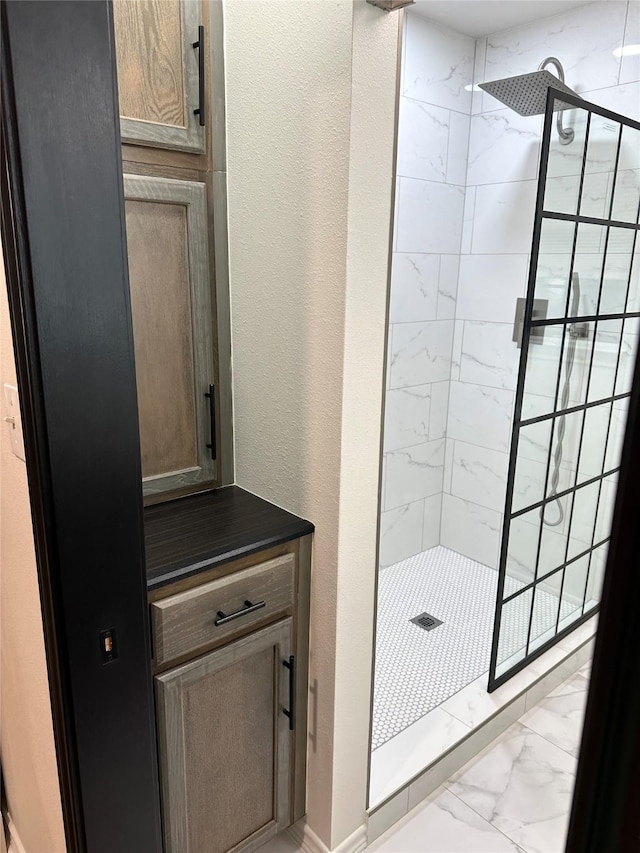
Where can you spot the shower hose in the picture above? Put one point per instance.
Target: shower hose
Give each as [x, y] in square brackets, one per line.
[564, 404]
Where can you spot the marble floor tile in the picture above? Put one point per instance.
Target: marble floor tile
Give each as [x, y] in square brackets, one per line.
[522, 785]
[408, 753]
[559, 716]
[585, 671]
[443, 824]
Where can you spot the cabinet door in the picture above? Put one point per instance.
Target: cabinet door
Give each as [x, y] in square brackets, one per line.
[225, 745]
[172, 329]
[158, 72]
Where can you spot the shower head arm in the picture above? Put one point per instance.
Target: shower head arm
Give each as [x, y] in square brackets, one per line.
[552, 60]
[566, 134]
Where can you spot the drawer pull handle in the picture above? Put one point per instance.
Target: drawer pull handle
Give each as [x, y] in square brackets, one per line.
[291, 711]
[223, 618]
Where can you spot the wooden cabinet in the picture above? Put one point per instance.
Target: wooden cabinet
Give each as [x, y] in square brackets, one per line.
[225, 744]
[177, 248]
[159, 72]
[171, 306]
[231, 649]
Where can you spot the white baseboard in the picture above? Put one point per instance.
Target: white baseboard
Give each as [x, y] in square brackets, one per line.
[15, 845]
[309, 842]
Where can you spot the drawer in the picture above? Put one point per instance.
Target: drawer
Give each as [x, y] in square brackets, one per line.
[218, 610]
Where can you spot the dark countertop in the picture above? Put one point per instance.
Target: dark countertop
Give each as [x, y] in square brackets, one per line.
[188, 535]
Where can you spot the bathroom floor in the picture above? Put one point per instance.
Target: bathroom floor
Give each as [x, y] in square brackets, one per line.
[418, 670]
[515, 795]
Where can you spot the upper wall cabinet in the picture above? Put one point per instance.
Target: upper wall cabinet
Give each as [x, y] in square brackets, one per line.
[172, 330]
[161, 73]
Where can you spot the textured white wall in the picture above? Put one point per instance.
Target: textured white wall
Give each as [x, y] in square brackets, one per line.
[310, 109]
[29, 766]
[288, 100]
[373, 108]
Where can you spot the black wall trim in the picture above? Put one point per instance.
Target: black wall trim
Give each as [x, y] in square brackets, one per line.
[63, 229]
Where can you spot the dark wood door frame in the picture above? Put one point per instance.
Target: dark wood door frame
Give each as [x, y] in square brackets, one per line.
[65, 257]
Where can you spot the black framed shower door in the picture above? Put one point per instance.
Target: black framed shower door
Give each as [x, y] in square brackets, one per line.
[579, 340]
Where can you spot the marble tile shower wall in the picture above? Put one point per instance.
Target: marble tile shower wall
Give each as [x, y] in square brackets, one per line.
[466, 186]
[504, 151]
[433, 135]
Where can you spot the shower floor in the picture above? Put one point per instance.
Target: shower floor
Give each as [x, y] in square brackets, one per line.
[417, 670]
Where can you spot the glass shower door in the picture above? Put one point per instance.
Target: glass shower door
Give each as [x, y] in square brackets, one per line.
[579, 338]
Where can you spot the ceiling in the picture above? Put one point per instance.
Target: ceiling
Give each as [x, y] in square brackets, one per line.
[481, 17]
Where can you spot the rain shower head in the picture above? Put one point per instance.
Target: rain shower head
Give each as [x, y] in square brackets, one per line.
[527, 93]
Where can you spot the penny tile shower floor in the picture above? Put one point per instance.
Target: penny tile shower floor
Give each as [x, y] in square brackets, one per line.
[417, 670]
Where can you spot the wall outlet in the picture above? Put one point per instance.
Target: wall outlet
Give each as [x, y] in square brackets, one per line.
[13, 420]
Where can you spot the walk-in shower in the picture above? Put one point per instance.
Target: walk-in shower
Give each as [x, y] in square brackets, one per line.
[500, 463]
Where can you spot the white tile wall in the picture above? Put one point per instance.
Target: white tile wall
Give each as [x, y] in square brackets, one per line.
[468, 220]
[504, 146]
[423, 138]
[459, 125]
[414, 287]
[490, 425]
[470, 529]
[407, 412]
[467, 190]
[489, 286]
[420, 352]
[630, 65]
[438, 64]
[479, 475]
[431, 522]
[583, 39]
[429, 216]
[503, 220]
[401, 532]
[448, 286]
[414, 473]
[439, 404]
[433, 139]
[496, 241]
[489, 356]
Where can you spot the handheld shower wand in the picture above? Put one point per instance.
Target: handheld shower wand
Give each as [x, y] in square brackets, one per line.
[575, 331]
